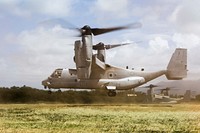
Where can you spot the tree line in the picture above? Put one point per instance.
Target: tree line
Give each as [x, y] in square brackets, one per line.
[27, 94]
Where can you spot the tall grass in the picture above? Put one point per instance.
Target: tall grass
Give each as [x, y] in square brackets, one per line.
[99, 118]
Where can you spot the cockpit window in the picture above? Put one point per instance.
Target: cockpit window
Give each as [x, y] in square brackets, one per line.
[57, 73]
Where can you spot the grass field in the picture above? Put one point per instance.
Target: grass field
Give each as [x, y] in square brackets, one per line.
[40, 118]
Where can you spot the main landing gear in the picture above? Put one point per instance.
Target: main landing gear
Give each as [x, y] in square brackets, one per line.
[49, 91]
[112, 93]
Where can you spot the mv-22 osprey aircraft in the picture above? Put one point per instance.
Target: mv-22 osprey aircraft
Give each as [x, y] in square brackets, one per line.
[93, 73]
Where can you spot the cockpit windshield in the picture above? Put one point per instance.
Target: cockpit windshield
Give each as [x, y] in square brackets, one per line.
[57, 73]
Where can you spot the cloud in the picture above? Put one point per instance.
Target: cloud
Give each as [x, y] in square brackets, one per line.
[186, 17]
[23, 8]
[192, 43]
[158, 45]
[106, 9]
[12, 7]
[41, 51]
[152, 57]
[189, 41]
[51, 7]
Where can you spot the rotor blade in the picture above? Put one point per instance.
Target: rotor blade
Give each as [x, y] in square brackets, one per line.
[98, 31]
[115, 45]
[110, 46]
[101, 46]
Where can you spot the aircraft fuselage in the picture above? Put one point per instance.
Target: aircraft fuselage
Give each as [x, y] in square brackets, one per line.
[112, 78]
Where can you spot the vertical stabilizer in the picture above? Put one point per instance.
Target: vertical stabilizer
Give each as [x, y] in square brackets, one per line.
[177, 67]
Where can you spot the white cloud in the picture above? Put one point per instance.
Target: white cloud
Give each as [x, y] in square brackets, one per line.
[12, 7]
[107, 9]
[23, 8]
[111, 6]
[158, 45]
[41, 51]
[186, 40]
[153, 57]
[51, 7]
[186, 17]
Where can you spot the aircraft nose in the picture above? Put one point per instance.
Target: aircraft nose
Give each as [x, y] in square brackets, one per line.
[45, 83]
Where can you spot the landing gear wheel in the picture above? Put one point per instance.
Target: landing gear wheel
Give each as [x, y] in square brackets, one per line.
[112, 93]
[59, 91]
[49, 91]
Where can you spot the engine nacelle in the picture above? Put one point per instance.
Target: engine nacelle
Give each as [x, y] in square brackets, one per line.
[101, 55]
[79, 56]
[83, 60]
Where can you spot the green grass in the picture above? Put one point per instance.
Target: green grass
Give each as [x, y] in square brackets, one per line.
[40, 118]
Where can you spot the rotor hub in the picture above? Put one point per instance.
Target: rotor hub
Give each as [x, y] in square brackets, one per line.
[86, 30]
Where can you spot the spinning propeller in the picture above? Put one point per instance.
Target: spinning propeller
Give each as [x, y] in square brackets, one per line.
[87, 30]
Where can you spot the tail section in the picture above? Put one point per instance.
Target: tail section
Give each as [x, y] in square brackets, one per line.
[177, 67]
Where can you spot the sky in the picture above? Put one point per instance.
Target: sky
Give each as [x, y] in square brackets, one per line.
[30, 52]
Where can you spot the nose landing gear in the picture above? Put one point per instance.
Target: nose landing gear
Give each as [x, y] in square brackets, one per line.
[112, 93]
[49, 89]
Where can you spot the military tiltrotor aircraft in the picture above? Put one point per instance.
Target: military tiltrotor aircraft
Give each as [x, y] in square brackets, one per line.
[163, 97]
[92, 72]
